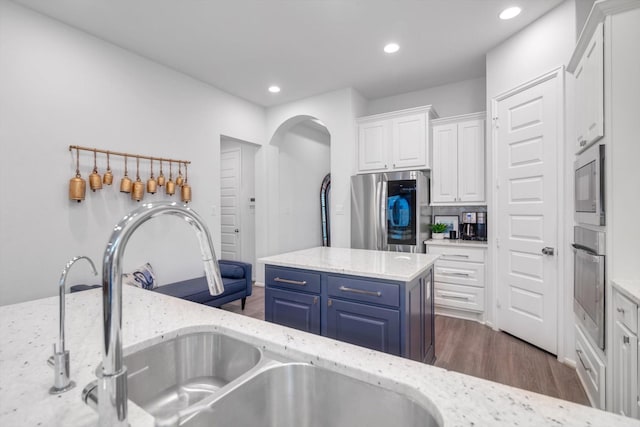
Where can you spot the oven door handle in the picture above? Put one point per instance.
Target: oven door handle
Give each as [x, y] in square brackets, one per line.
[579, 247]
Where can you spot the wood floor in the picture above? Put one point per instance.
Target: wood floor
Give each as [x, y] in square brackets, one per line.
[474, 349]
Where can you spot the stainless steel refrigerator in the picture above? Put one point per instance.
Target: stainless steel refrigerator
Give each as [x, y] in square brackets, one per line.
[390, 211]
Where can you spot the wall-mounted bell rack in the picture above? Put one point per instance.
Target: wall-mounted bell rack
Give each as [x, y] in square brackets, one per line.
[77, 185]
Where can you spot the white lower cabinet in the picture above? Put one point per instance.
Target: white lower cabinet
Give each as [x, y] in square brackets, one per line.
[459, 280]
[591, 370]
[625, 356]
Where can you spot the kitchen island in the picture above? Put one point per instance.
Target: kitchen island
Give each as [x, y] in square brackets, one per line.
[28, 331]
[377, 299]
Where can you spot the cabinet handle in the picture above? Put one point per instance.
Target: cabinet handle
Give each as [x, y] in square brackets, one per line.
[330, 303]
[456, 274]
[360, 291]
[291, 282]
[586, 368]
[449, 296]
[625, 339]
[456, 255]
[315, 300]
[620, 310]
[385, 165]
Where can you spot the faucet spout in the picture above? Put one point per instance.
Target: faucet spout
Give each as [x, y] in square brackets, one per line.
[112, 378]
[60, 359]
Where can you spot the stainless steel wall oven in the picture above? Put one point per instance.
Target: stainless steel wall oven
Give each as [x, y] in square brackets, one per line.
[589, 282]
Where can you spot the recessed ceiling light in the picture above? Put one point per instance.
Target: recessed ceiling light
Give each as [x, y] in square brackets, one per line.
[274, 89]
[391, 48]
[510, 12]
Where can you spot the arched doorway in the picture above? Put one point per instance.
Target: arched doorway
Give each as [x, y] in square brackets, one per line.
[303, 161]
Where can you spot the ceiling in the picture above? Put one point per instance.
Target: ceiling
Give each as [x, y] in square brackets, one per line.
[305, 46]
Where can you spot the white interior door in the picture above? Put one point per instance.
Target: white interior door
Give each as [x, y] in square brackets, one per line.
[230, 172]
[526, 141]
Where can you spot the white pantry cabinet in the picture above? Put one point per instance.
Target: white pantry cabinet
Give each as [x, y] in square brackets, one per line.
[589, 75]
[458, 160]
[394, 141]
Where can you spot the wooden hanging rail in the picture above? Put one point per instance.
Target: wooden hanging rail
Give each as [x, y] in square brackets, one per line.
[117, 153]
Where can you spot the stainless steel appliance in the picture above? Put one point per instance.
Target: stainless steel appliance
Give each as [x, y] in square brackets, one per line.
[469, 221]
[589, 186]
[588, 282]
[481, 226]
[390, 211]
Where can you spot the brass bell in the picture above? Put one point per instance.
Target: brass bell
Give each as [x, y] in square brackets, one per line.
[95, 180]
[170, 188]
[138, 190]
[107, 178]
[161, 179]
[77, 188]
[125, 182]
[138, 187]
[152, 185]
[185, 192]
[77, 185]
[179, 179]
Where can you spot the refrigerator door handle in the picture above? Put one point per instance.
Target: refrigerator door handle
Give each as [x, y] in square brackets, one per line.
[383, 215]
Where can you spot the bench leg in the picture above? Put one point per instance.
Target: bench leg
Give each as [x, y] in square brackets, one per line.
[242, 302]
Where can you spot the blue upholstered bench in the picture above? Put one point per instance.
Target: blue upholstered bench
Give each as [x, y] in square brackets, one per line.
[236, 276]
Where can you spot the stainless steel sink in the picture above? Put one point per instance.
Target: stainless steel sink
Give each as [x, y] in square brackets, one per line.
[302, 395]
[176, 374]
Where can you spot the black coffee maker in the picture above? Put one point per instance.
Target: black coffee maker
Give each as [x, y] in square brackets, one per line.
[474, 226]
[469, 222]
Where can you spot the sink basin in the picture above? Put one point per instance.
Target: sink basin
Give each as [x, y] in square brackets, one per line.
[302, 395]
[175, 374]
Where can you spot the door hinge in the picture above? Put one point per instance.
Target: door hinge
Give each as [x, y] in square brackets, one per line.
[498, 303]
[496, 123]
[498, 183]
[497, 243]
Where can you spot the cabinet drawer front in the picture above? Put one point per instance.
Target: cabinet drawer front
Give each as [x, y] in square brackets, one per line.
[625, 311]
[293, 309]
[364, 290]
[590, 370]
[364, 325]
[300, 280]
[457, 254]
[458, 296]
[461, 273]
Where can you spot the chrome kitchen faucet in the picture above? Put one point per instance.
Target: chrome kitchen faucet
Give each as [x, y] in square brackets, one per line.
[111, 394]
[60, 359]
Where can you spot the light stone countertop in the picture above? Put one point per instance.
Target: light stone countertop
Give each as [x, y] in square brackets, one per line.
[459, 243]
[29, 329]
[401, 266]
[630, 288]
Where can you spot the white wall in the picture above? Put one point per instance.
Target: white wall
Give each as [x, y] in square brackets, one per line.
[303, 161]
[60, 86]
[467, 96]
[544, 45]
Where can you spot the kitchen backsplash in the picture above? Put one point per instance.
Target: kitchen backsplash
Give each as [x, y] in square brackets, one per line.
[456, 210]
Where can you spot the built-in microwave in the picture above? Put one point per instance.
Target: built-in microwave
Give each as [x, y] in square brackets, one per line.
[589, 186]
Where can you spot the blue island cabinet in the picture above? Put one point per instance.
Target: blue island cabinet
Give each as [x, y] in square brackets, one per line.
[385, 315]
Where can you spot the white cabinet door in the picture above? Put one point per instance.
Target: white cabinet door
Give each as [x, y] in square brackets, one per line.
[444, 176]
[471, 161]
[590, 92]
[373, 150]
[409, 141]
[625, 371]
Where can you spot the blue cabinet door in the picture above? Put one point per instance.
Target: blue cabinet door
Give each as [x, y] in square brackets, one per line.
[365, 325]
[294, 309]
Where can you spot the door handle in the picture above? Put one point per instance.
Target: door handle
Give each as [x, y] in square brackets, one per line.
[548, 251]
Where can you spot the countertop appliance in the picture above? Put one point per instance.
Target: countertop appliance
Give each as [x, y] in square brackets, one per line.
[390, 211]
[589, 194]
[589, 280]
[474, 226]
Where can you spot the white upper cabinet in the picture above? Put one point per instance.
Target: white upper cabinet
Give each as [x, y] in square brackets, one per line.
[457, 175]
[394, 141]
[589, 76]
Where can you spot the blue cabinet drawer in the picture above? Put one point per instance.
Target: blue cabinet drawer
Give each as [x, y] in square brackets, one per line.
[291, 278]
[364, 290]
[376, 328]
